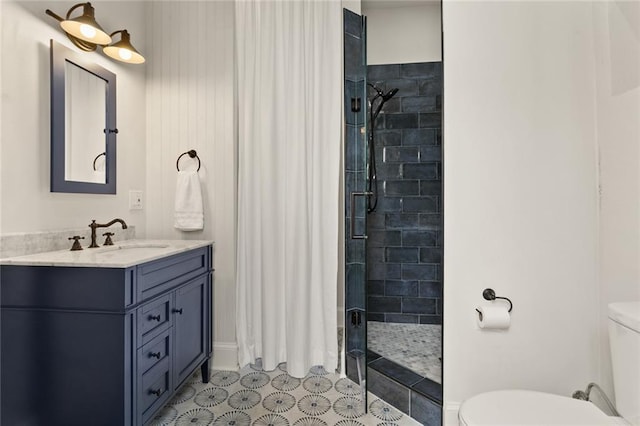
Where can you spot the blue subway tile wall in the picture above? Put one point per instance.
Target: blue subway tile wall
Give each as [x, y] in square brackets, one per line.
[404, 250]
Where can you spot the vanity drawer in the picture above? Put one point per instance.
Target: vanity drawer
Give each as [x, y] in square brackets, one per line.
[154, 317]
[156, 277]
[154, 352]
[155, 389]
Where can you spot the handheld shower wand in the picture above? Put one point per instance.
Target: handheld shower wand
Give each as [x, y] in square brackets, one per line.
[373, 178]
[389, 94]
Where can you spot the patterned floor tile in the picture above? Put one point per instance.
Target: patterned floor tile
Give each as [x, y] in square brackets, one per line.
[261, 398]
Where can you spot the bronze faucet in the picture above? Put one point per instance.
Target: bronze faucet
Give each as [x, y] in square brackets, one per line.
[93, 225]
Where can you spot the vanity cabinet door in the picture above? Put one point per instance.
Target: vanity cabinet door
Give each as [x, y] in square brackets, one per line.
[190, 314]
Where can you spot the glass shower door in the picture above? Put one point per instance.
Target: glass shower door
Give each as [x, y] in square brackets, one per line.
[355, 173]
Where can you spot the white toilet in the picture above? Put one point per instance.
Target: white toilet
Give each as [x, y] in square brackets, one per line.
[522, 407]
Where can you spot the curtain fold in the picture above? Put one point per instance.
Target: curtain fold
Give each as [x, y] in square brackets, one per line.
[289, 59]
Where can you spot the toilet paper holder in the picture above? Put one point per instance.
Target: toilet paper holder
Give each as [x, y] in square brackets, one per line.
[490, 294]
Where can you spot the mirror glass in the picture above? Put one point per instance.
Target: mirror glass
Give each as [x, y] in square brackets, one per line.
[85, 114]
[83, 124]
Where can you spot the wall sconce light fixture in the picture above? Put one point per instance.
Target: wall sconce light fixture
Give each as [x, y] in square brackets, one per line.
[123, 50]
[86, 34]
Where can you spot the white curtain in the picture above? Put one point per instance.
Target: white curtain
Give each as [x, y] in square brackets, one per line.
[289, 56]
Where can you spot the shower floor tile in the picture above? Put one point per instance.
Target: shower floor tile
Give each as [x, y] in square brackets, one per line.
[414, 346]
[255, 397]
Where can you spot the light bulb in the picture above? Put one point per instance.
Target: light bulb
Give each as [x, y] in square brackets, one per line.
[125, 54]
[87, 31]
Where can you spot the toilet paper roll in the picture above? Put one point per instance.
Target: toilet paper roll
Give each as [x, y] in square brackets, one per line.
[494, 317]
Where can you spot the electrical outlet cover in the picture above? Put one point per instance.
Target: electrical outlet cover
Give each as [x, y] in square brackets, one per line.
[135, 200]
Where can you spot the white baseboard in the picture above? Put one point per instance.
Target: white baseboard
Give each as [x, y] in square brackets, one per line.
[225, 356]
[450, 414]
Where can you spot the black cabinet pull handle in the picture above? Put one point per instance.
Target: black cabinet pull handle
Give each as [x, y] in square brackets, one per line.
[154, 317]
[156, 392]
[154, 355]
[177, 311]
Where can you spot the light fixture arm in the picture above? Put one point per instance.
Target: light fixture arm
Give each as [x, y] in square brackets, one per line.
[123, 34]
[76, 6]
[54, 15]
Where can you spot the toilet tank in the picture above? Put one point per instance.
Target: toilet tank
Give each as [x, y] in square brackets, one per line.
[624, 340]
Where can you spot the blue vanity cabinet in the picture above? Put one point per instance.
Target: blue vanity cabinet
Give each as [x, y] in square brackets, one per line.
[102, 346]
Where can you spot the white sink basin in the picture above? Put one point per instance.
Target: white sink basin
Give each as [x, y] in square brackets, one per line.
[137, 246]
[142, 251]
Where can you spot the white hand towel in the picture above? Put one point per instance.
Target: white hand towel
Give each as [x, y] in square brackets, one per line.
[189, 214]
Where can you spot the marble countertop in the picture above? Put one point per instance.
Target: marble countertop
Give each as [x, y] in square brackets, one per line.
[120, 255]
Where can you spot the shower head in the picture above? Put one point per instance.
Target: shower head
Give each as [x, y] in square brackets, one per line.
[385, 97]
[389, 94]
[380, 94]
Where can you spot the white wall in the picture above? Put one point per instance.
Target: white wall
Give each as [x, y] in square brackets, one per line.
[617, 47]
[25, 201]
[520, 195]
[190, 98]
[353, 5]
[400, 32]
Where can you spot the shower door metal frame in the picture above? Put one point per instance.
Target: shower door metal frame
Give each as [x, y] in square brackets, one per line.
[356, 195]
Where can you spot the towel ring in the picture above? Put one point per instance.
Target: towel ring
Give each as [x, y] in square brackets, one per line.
[192, 153]
[96, 159]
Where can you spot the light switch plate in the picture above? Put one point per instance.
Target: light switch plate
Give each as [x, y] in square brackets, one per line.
[135, 200]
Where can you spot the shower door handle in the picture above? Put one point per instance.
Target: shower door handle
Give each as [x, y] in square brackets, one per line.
[353, 214]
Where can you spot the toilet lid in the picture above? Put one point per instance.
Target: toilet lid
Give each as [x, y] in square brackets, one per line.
[626, 313]
[521, 407]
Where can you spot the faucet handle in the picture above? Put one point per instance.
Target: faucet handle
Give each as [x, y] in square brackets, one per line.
[108, 241]
[76, 244]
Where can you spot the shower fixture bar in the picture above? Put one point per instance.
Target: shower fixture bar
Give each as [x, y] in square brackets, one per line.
[355, 104]
[353, 215]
